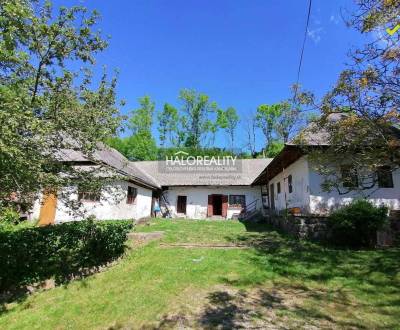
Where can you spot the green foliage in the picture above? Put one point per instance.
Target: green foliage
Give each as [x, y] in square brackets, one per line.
[48, 102]
[356, 224]
[168, 125]
[367, 92]
[8, 216]
[141, 119]
[274, 148]
[228, 120]
[30, 255]
[336, 288]
[140, 146]
[170, 152]
[196, 111]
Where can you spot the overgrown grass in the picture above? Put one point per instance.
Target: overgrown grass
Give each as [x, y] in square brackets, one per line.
[276, 280]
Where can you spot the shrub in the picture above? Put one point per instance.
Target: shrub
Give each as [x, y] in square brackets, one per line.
[32, 254]
[356, 224]
[8, 216]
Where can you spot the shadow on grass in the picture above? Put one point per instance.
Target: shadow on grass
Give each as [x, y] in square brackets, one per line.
[371, 275]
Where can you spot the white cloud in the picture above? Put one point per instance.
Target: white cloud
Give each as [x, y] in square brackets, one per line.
[315, 34]
[334, 19]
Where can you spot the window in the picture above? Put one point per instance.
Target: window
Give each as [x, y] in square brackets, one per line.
[131, 196]
[89, 196]
[278, 187]
[349, 177]
[290, 183]
[385, 177]
[237, 200]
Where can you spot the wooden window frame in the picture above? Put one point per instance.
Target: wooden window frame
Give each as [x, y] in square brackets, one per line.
[349, 175]
[131, 197]
[381, 172]
[237, 205]
[290, 183]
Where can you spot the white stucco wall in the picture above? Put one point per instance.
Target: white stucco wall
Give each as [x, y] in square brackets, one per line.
[197, 198]
[322, 202]
[299, 197]
[308, 195]
[112, 204]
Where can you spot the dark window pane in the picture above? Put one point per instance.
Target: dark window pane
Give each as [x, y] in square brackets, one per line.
[278, 187]
[385, 177]
[237, 200]
[349, 177]
[131, 195]
[290, 184]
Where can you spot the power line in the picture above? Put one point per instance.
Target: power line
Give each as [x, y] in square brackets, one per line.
[302, 49]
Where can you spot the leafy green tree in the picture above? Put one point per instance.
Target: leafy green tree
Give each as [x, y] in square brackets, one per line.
[168, 121]
[46, 104]
[228, 120]
[266, 118]
[360, 115]
[141, 119]
[196, 110]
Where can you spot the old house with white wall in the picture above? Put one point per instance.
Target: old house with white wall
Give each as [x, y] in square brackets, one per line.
[129, 196]
[287, 182]
[218, 195]
[194, 195]
[294, 184]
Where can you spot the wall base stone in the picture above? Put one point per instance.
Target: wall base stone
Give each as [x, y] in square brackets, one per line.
[300, 226]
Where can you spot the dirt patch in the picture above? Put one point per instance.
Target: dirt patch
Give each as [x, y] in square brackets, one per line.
[145, 237]
[276, 307]
[204, 245]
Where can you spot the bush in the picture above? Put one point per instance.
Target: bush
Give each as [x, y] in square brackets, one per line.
[33, 254]
[356, 224]
[8, 217]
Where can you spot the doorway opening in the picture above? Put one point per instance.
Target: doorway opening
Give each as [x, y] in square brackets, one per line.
[217, 205]
[181, 204]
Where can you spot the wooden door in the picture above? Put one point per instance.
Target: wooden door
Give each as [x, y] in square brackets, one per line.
[224, 205]
[272, 196]
[210, 210]
[181, 204]
[47, 213]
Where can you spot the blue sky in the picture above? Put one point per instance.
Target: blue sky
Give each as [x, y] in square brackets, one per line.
[241, 53]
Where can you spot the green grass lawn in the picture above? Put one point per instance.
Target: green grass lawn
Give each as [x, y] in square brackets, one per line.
[274, 282]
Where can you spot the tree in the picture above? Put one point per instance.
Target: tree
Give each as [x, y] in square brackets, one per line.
[360, 115]
[266, 119]
[196, 112]
[228, 120]
[250, 126]
[46, 105]
[168, 125]
[288, 117]
[141, 145]
[141, 119]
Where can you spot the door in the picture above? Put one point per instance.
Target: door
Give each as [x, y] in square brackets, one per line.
[217, 205]
[272, 196]
[224, 206]
[210, 206]
[181, 204]
[47, 213]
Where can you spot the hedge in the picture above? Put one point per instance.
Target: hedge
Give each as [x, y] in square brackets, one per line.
[33, 254]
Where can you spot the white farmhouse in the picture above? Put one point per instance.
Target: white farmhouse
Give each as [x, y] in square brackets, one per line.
[296, 186]
[218, 195]
[128, 197]
[287, 182]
